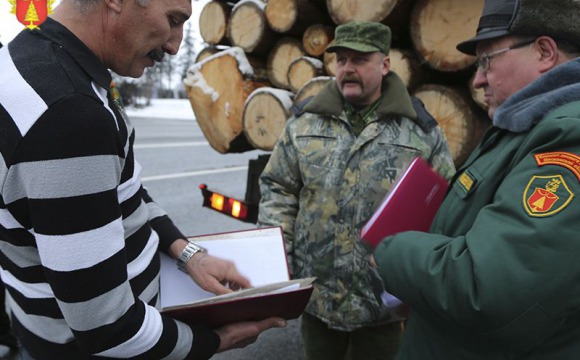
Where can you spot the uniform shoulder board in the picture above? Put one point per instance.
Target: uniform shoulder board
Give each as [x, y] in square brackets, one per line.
[425, 120]
[298, 108]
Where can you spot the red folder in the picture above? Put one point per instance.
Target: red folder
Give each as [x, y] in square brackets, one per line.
[410, 205]
[247, 305]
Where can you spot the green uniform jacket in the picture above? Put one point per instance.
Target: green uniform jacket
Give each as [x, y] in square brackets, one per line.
[499, 275]
[323, 183]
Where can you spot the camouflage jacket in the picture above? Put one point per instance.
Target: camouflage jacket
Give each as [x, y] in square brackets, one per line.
[322, 183]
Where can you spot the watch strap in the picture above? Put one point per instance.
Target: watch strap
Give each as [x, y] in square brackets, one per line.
[187, 253]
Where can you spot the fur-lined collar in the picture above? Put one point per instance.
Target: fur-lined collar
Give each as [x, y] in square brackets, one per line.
[525, 108]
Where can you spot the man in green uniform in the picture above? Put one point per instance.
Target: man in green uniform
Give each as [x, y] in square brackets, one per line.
[330, 170]
[498, 276]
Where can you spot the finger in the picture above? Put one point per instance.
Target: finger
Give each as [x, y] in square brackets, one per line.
[273, 322]
[234, 277]
[214, 286]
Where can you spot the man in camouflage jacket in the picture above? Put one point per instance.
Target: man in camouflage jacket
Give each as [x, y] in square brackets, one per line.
[331, 168]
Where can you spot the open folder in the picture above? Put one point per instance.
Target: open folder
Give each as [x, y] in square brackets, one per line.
[411, 203]
[259, 255]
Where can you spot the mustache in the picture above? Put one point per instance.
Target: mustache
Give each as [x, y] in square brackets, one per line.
[350, 79]
[156, 55]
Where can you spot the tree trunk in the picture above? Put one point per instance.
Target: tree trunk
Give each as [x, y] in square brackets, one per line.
[292, 17]
[213, 22]
[310, 89]
[265, 114]
[456, 115]
[303, 69]
[404, 63]
[248, 28]
[206, 52]
[316, 38]
[438, 26]
[283, 53]
[217, 89]
[329, 60]
[344, 11]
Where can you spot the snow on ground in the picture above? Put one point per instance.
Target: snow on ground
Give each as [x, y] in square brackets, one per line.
[164, 108]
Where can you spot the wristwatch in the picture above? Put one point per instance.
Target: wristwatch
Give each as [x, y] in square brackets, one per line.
[190, 249]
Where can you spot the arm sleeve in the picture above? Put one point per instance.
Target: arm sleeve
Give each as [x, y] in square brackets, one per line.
[72, 166]
[440, 158]
[280, 185]
[162, 224]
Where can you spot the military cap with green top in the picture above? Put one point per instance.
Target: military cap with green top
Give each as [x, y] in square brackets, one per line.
[362, 36]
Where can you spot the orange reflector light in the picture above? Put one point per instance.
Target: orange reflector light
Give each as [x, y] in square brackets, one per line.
[217, 201]
[236, 208]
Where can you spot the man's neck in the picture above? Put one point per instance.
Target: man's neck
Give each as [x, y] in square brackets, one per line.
[87, 27]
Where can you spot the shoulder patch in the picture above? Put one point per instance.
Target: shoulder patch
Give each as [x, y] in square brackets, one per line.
[560, 158]
[424, 119]
[546, 195]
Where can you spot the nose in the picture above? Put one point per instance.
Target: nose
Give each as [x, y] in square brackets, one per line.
[171, 46]
[480, 80]
[348, 66]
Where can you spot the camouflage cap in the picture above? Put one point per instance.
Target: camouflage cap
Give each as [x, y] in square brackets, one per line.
[362, 36]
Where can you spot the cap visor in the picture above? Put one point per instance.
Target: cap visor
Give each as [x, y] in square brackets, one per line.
[469, 46]
[356, 46]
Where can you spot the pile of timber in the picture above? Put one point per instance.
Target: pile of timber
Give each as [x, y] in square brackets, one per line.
[264, 56]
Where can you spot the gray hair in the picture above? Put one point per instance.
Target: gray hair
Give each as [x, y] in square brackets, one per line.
[84, 6]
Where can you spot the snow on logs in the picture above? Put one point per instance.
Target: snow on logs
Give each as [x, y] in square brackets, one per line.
[217, 88]
[282, 43]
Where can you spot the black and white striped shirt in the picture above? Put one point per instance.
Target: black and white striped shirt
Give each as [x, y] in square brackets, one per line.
[79, 236]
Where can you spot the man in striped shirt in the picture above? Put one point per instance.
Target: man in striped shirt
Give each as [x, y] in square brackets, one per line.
[79, 236]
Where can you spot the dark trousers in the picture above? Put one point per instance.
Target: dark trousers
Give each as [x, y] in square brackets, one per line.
[369, 343]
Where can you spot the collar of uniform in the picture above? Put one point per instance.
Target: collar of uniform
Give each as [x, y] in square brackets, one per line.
[395, 99]
[364, 112]
[84, 57]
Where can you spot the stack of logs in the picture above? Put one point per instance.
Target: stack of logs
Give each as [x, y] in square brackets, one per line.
[262, 57]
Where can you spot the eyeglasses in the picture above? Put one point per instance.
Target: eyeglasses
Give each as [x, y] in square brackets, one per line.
[484, 61]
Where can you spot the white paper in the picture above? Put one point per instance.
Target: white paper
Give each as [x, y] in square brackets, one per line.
[258, 254]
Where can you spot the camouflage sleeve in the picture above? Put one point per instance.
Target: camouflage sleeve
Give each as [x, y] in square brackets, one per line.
[280, 185]
[440, 157]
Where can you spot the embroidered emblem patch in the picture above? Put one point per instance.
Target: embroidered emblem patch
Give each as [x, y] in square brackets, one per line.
[546, 195]
[560, 158]
[466, 180]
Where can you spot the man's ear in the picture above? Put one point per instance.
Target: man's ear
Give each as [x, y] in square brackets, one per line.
[386, 65]
[114, 5]
[548, 52]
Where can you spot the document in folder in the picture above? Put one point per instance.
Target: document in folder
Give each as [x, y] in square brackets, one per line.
[259, 255]
[411, 203]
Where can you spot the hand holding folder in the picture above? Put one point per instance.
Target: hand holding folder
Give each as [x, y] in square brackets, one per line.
[258, 254]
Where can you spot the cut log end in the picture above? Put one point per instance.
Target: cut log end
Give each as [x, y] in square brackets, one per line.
[265, 114]
[454, 113]
[316, 38]
[344, 11]
[281, 14]
[303, 69]
[217, 89]
[435, 39]
[213, 22]
[284, 52]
